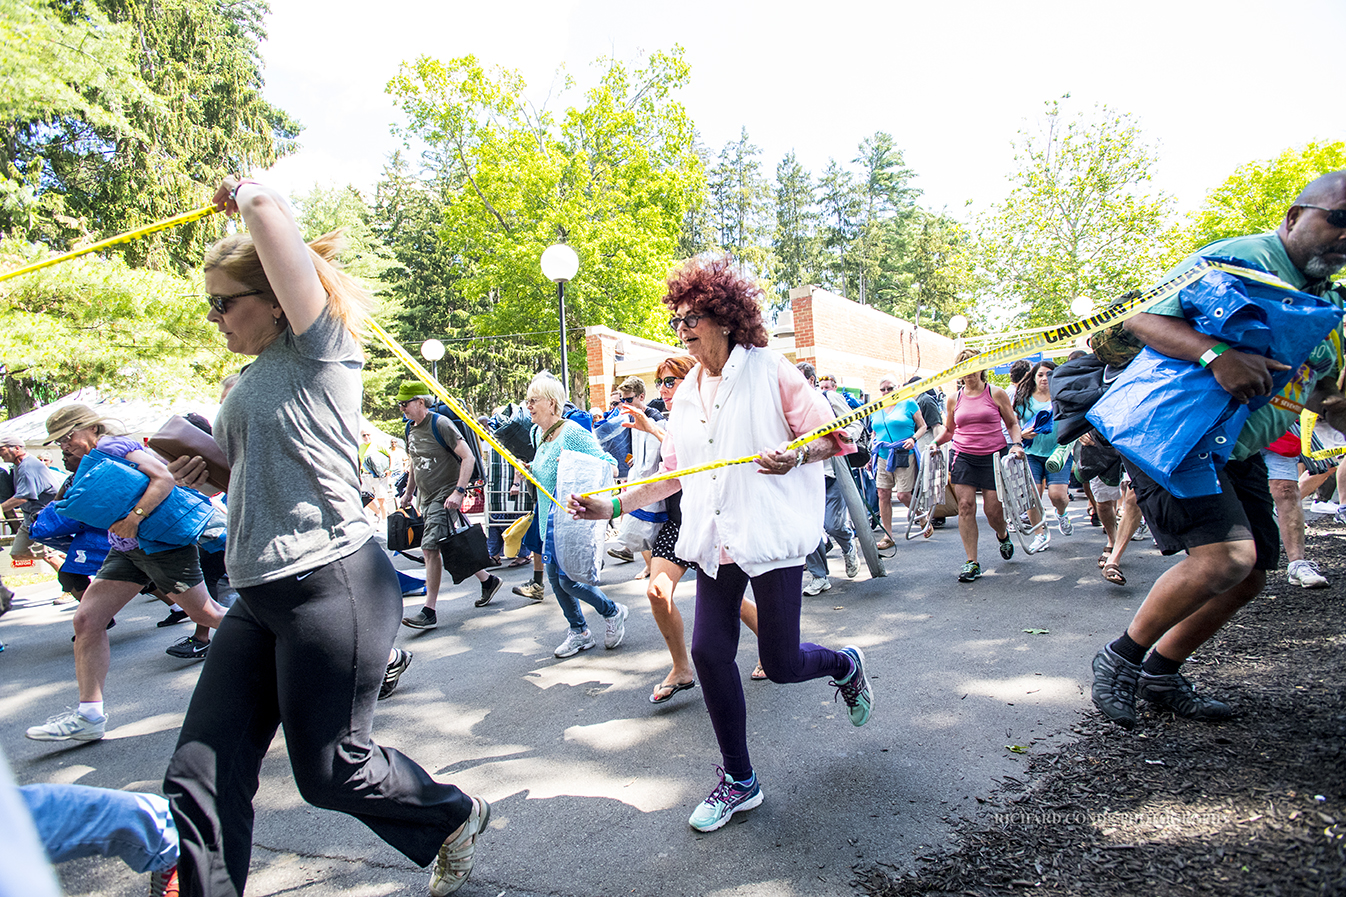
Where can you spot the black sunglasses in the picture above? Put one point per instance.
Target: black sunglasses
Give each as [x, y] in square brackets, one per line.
[670, 382]
[1335, 217]
[689, 320]
[886, 388]
[221, 303]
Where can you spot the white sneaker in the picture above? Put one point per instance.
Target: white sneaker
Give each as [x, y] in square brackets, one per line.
[1064, 524]
[1041, 542]
[69, 726]
[852, 559]
[1323, 507]
[575, 643]
[1142, 533]
[616, 630]
[1305, 573]
[813, 585]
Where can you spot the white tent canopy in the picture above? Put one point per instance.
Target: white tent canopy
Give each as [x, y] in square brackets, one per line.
[138, 418]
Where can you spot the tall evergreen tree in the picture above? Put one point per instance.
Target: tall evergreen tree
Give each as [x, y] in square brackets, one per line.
[795, 240]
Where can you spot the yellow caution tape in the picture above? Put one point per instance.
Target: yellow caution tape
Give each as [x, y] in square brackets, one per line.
[1022, 348]
[184, 218]
[440, 393]
[1307, 421]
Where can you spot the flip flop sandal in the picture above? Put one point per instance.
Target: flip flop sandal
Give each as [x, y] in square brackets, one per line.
[672, 689]
[884, 543]
[758, 674]
[1113, 574]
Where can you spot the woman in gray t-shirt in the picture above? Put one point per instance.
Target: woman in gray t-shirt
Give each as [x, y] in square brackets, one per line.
[319, 604]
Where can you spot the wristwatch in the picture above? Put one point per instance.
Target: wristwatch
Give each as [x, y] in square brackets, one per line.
[136, 510]
[461, 490]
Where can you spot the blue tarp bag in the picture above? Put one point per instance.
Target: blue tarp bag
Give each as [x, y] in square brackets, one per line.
[1171, 418]
[105, 489]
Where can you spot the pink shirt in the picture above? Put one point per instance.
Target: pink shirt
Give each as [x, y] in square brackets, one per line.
[978, 425]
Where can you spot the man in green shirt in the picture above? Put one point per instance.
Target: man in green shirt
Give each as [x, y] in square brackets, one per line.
[1230, 538]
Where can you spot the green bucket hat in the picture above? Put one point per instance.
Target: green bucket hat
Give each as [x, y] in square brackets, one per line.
[412, 389]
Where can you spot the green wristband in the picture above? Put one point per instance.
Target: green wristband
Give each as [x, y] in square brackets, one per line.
[1212, 353]
[616, 508]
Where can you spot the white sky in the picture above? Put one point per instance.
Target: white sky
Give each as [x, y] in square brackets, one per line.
[1213, 84]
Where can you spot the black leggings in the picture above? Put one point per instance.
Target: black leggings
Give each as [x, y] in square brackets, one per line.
[308, 651]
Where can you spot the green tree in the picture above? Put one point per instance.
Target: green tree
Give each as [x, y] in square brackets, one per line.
[887, 202]
[840, 207]
[740, 200]
[1255, 197]
[172, 103]
[795, 240]
[1078, 222]
[614, 177]
[98, 322]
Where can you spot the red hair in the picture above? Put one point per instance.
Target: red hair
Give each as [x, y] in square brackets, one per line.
[718, 289]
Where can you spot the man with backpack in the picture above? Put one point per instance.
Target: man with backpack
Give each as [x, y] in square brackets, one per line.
[442, 466]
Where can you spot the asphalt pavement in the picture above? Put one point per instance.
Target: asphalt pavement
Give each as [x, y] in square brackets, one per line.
[590, 784]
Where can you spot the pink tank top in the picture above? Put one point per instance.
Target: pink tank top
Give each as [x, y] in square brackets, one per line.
[977, 424]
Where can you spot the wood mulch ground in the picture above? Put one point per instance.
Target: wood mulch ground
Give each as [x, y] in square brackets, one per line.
[1252, 806]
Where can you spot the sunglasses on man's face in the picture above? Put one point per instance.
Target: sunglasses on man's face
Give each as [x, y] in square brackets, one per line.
[1335, 217]
[221, 303]
[670, 382]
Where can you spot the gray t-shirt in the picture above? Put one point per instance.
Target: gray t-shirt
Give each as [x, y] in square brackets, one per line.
[291, 432]
[436, 469]
[33, 481]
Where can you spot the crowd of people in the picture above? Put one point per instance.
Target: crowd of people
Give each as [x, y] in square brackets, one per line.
[308, 641]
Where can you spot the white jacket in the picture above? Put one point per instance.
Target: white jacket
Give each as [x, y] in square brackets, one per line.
[763, 522]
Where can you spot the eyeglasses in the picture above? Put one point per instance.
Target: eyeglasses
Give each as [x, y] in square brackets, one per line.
[221, 303]
[1335, 217]
[887, 388]
[670, 382]
[403, 405]
[65, 440]
[531, 401]
[690, 321]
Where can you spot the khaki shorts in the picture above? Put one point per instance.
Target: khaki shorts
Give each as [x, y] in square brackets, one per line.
[437, 524]
[899, 479]
[24, 547]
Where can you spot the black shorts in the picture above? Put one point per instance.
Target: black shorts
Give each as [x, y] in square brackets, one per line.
[666, 541]
[1243, 509]
[73, 582]
[977, 471]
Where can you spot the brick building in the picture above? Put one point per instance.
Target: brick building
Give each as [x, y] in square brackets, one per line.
[852, 342]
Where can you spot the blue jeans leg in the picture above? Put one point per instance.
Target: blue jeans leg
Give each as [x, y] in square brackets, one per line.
[569, 594]
[76, 821]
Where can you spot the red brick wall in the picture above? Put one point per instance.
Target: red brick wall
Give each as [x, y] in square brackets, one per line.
[858, 344]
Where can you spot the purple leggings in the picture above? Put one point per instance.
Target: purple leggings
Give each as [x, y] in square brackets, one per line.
[715, 643]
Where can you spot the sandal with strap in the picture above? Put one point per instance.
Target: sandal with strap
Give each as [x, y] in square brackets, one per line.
[1113, 574]
[758, 674]
[1103, 558]
[454, 863]
[885, 543]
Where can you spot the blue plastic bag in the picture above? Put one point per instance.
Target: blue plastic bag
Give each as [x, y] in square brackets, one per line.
[106, 488]
[1170, 418]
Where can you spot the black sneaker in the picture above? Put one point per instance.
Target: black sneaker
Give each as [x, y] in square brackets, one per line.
[426, 619]
[938, 523]
[488, 590]
[394, 673]
[971, 571]
[1174, 693]
[174, 618]
[190, 648]
[1114, 690]
[1006, 547]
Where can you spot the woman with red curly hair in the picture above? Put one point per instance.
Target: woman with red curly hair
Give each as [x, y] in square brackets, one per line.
[738, 526]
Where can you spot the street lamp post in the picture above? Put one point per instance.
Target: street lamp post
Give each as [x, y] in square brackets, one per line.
[559, 264]
[432, 350]
[957, 324]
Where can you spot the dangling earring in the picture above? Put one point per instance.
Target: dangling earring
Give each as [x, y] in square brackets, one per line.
[726, 333]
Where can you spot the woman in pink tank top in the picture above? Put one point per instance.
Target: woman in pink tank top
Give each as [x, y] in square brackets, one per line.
[978, 416]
